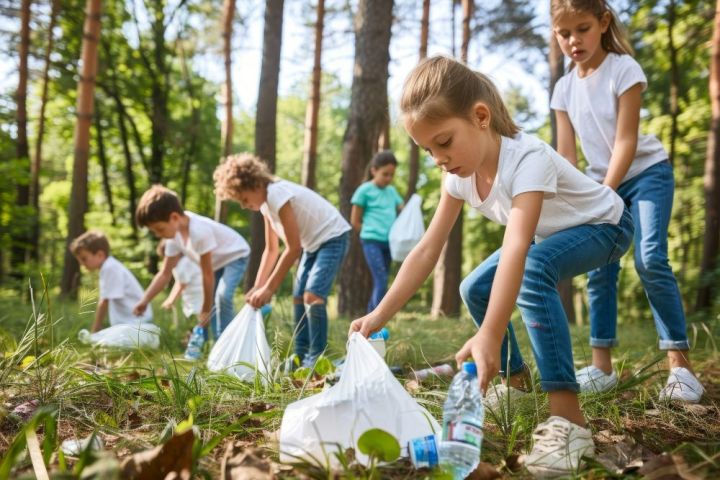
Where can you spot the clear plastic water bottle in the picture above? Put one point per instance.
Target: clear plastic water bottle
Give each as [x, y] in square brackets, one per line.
[463, 417]
[378, 339]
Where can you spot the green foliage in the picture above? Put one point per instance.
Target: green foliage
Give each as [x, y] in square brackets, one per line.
[379, 444]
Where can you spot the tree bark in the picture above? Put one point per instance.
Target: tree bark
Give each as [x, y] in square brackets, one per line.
[448, 271]
[313, 106]
[21, 232]
[37, 160]
[366, 119]
[159, 94]
[266, 121]
[557, 69]
[711, 241]
[102, 158]
[414, 161]
[227, 126]
[86, 89]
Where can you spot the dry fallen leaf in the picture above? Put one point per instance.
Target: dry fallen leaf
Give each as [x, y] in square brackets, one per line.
[170, 461]
[243, 463]
[667, 467]
[484, 471]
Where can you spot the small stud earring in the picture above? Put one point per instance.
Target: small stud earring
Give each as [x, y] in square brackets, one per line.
[483, 126]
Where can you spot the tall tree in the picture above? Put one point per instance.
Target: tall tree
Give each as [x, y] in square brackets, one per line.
[21, 237]
[102, 158]
[266, 120]
[313, 105]
[227, 126]
[414, 163]
[37, 158]
[448, 271]
[557, 68]
[366, 119]
[711, 241]
[85, 104]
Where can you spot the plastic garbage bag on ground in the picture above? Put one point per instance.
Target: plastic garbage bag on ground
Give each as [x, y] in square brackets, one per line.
[366, 396]
[124, 335]
[407, 230]
[242, 349]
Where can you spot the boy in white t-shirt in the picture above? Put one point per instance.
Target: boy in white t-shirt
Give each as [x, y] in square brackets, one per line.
[119, 289]
[219, 250]
[309, 226]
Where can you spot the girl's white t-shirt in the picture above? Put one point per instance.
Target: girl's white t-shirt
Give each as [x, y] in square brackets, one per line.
[122, 289]
[206, 235]
[592, 105]
[527, 164]
[188, 273]
[317, 219]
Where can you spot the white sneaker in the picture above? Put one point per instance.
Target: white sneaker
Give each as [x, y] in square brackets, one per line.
[592, 379]
[558, 447]
[496, 398]
[682, 386]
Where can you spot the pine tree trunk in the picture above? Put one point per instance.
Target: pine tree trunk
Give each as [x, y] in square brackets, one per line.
[37, 160]
[21, 232]
[557, 68]
[414, 161]
[366, 119]
[313, 107]
[711, 242]
[266, 121]
[448, 271]
[227, 126]
[86, 89]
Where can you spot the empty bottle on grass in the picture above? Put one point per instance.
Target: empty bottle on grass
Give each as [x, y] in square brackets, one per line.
[378, 339]
[463, 417]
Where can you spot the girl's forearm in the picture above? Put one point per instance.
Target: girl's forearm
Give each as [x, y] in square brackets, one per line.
[622, 157]
[283, 266]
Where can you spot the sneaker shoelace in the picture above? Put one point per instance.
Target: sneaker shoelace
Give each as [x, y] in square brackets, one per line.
[552, 436]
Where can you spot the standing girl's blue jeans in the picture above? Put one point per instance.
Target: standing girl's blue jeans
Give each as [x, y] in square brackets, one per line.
[649, 196]
[227, 279]
[316, 274]
[562, 255]
[377, 256]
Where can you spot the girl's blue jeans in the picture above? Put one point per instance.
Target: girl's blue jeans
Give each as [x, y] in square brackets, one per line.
[562, 255]
[316, 274]
[649, 196]
[377, 256]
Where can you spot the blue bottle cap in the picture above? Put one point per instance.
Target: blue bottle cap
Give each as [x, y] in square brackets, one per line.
[470, 368]
[266, 309]
[383, 333]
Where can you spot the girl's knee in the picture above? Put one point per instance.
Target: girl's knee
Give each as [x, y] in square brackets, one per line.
[474, 288]
[310, 298]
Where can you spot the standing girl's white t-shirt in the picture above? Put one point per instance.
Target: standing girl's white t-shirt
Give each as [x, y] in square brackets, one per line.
[188, 274]
[317, 219]
[527, 164]
[591, 103]
[206, 235]
[123, 291]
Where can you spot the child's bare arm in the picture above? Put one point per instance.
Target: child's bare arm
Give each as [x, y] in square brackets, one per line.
[269, 257]
[626, 136]
[485, 345]
[356, 217]
[159, 281]
[208, 282]
[565, 137]
[173, 296]
[100, 314]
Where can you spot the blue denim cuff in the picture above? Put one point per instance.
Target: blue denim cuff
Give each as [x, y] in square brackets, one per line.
[556, 386]
[674, 345]
[603, 342]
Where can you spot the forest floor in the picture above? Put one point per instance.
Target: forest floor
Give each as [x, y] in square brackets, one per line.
[135, 402]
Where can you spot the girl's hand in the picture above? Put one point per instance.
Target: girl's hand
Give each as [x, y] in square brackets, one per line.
[486, 354]
[204, 318]
[366, 325]
[259, 297]
[167, 304]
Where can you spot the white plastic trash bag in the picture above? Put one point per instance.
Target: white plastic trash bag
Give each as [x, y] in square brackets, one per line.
[242, 349]
[124, 335]
[407, 230]
[366, 396]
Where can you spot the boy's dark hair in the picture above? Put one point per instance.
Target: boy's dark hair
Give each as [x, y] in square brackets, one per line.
[156, 205]
[382, 159]
[93, 241]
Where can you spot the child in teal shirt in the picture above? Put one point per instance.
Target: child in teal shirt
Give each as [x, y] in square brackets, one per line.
[375, 205]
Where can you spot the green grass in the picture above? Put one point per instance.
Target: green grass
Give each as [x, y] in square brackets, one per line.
[134, 401]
